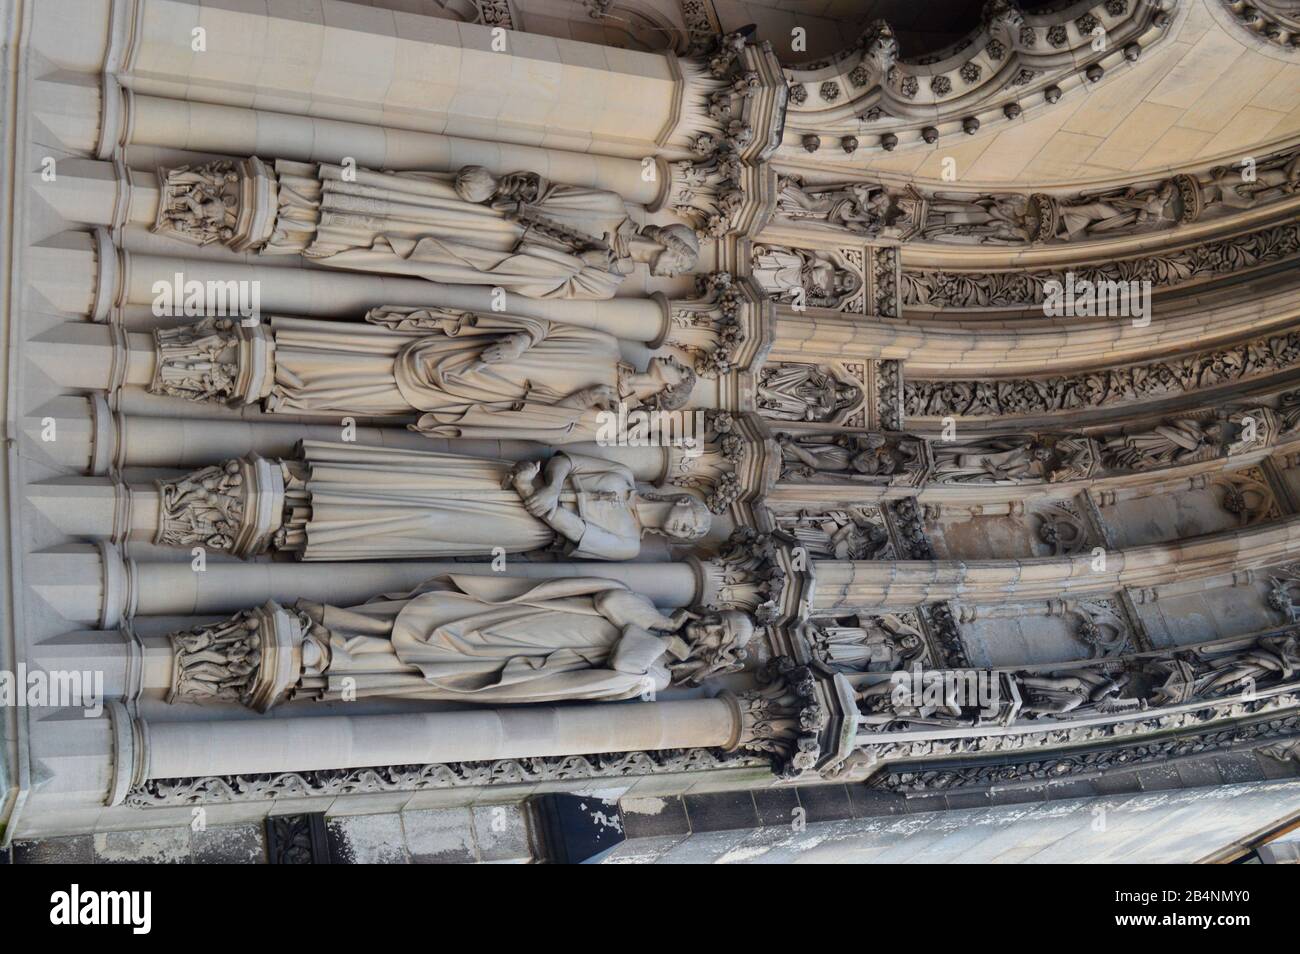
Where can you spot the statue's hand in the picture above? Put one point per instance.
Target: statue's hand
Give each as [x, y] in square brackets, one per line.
[525, 472]
[507, 349]
[542, 503]
[601, 396]
[681, 617]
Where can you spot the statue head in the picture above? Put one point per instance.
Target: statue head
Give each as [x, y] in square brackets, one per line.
[681, 249]
[678, 382]
[475, 184]
[685, 520]
[726, 628]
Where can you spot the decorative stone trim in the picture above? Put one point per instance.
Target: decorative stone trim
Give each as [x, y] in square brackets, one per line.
[1005, 61]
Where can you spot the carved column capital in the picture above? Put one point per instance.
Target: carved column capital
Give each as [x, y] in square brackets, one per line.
[254, 658]
[726, 328]
[236, 506]
[784, 718]
[215, 359]
[232, 201]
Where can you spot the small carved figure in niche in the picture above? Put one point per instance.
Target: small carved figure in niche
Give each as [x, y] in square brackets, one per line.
[989, 219]
[1167, 444]
[807, 277]
[845, 456]
[861, 207]
[1127, 211]
[875, 644]
[1273, 180]
[804, 392]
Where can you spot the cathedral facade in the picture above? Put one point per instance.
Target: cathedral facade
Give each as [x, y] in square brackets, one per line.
[427, 407]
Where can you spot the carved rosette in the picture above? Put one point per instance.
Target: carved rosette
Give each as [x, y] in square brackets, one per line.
[725, 328]
[236, 507]
[253, 658]
[232, 201]
[215, 359]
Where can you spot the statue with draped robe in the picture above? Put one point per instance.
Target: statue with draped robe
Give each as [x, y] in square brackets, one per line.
[520, 231]
[466, 638]
[491, 376]
[381, 503]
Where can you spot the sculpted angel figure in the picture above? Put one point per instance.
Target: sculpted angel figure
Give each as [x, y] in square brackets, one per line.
[492, 376]
[520, 231]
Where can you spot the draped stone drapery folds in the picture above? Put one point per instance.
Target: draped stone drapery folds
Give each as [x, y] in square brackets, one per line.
[482, 639]
[380, 503]
[521, 232]
[472, 375]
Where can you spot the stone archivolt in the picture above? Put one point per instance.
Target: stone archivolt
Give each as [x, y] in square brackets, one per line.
[972, 218]
[1106, 387]
[1012, 62]
[944, 289]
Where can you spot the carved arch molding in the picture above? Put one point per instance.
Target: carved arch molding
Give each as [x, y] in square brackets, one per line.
[869, 97]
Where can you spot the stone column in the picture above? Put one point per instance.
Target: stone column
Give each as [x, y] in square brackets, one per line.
[97, 585]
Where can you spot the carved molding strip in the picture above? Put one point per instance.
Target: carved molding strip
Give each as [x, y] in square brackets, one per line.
[877, 209]
[936, 288]
[1092, 389]
[415, 778]
[1048, 767]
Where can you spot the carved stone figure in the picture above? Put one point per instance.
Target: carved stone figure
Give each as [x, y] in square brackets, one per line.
[472, 375]
[804, 392]
[1167, 444]
[199, 203]
[481, 639]
[381, 503]
[870, 457]
[860, 207]
[876, 644]
[520, 231]
[1003, 219]
[993, 460]
[806, 277]
[1123, 211]
[854, 534]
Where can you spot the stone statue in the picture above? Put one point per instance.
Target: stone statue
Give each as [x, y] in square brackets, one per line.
[993, 460]
[804, 392]
[877, 644]
[1125, 211]
[1008, 219]
[1167, 444]
[861, 207]
[807, 277]
[368, 503]
[472, 375]
[484, 639]
[849, 456]
[520, 231]
[1273, 180]
[199, 203]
